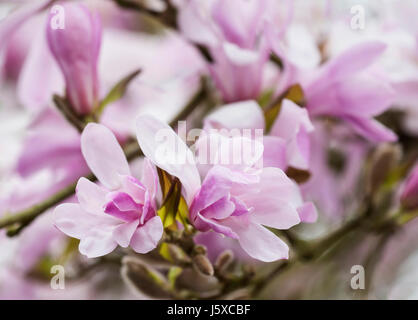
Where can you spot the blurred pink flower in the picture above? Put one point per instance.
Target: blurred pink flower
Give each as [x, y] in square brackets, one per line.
[288, 141]
[236, 200]
[347, 88]
[409, 195]
[230, 32]
[76, 49]
[122, 211]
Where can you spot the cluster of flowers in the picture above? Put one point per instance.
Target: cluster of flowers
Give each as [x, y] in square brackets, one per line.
[269, 74]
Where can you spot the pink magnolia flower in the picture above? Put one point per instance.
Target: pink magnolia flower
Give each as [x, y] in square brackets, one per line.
[409, 195]
[230, 31]
[76, 49]
[236, 200]
[122, 211]
[347, 87]
[288, 142]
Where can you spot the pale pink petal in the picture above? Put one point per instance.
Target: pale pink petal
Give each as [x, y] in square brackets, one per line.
[104, 155]
[123, 233]
[371, 129]
[274, 182]
[40, 77]
[71, 219]
[167, 151]
[308, 213]
[90, 196]
[291, 118]
[257, 241]
[134, 188]
[239, 115]
[274, 152]
[99, 242]
[195, 25]
[220, 209]
[356, 59]
[206, 224]
[147, 237]
[274, 213]
[149, 177]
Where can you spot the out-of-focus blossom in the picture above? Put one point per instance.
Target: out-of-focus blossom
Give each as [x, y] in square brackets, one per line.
[44, 149]
[231, 33]
[409, 195]
[15, 31]
[336, 163]
[234, 200]
[122, 211]
[76, 48]
[288, 141]
[348, 88]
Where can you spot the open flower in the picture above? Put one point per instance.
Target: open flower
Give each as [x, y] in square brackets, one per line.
[230, 32]
[347, 87]
[121, 211]
[76, 48]
[234, 200]
[288, 142]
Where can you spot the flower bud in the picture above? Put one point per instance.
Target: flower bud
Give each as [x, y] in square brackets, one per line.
[224, 260]
[409, 195]
[75, 44]
[203, 265]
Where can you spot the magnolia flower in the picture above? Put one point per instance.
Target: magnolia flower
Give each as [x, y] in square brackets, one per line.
[288, 141]
[234, 200]
[348, 88]
[121, 211]
[76, 49]
[230, 32]
[409, 195]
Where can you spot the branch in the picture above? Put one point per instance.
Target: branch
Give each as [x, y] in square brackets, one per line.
[19, 220]
[315, 250]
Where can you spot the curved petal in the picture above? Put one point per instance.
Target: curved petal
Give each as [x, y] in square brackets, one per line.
[104, 155]
[239, 115]
[291, 118]
[274, 213]
[90, 196]
[257, 241]
[274, 183]
[204, 224]
[167, 151]
[353, 60]
[149, 177]
[371, 129]
[40, 77]
[146, 237]
[195, 26]
[98, 243]
[307, 212]
[71, 219]
[124, 232]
